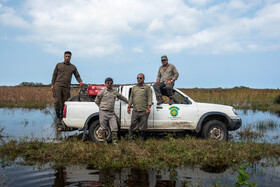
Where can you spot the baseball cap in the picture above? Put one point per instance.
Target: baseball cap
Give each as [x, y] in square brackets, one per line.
[164, 57]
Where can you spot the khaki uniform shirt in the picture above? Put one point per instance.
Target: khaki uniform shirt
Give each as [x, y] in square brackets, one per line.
[170, 73]
[141, 97]
[105, 99]
[62, 74]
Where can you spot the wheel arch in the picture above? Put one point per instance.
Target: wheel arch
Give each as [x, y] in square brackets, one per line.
[220, 116]
[90, 119]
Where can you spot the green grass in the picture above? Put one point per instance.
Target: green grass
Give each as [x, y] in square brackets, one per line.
[153, 153]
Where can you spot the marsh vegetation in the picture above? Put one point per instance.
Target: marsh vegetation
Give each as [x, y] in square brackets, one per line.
[240, 98]
[167, 152]
[41, 144]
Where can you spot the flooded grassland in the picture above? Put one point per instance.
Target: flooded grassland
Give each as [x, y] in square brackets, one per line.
[29, 137]
[34, 153]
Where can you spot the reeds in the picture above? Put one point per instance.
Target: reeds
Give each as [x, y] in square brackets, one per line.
[26, 96]
[152, 153]
[240, 98]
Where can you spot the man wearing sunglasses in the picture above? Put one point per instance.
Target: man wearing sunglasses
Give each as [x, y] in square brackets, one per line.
[141, 100]
[105, 100]
[167, 74]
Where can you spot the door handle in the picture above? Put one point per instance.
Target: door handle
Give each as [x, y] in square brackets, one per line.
[159, 107]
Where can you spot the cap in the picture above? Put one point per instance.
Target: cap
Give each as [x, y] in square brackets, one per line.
[164, 57]
[108, 79]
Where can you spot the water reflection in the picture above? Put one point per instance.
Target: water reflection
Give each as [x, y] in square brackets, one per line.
[29, 124]
[88, 176]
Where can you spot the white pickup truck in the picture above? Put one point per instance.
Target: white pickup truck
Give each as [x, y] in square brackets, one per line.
[208, 120]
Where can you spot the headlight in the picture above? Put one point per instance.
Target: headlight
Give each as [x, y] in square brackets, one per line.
[234, 111]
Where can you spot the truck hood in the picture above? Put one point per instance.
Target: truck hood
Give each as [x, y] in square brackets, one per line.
[205, 107]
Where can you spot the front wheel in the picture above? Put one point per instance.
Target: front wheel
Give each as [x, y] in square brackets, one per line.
[216, 130]
[94, 132]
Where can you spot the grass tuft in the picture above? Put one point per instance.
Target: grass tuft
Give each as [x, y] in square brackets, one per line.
[208, 155]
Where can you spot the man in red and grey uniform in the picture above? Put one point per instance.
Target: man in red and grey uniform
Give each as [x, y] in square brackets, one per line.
[167, 75]
[61, 82]
[105, 100]
[141, 100]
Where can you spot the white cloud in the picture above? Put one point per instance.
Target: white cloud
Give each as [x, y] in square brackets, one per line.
[137, 50]
[9, 17]
[104, 27]
[199, 2]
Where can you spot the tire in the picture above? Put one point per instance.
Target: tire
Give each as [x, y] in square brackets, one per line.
[83, 98]
[95, 135]
[216, 130]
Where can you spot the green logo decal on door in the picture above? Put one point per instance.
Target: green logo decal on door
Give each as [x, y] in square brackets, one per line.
[174, 111]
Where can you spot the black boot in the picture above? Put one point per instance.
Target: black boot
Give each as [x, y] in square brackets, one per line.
[130, 135]
[58, 116]
[61, 114]
[171, 100]
[159, 100]
[142, 135]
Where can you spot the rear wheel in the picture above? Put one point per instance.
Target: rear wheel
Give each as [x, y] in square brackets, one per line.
[94, 132]
[83, 98]
[216, 130]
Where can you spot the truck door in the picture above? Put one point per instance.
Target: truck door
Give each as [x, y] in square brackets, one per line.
[126, 118]
[181, 115]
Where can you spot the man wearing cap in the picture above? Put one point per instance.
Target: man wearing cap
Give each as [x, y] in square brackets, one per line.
[167, 74]
[105, 100]
[61, 81]
[141, 100]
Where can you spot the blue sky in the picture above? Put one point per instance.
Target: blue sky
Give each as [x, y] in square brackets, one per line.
[212, 43]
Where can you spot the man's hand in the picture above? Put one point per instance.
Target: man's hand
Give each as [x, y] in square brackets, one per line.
[147, 111]
[81, 84]
[128, 110]
[156, 81]
[169, 81]
[52, 88]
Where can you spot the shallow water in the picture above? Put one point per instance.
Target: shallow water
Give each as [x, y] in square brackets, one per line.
[29, 124]
[265, 127]
[40, 124]
[87, 176]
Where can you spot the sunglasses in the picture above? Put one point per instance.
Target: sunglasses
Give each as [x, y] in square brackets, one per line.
[139, 77]
[163, 60]
[109, 83]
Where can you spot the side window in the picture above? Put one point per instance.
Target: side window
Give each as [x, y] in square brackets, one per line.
[180, 99]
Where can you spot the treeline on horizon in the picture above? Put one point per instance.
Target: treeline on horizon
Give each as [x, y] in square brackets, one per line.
[37, 95]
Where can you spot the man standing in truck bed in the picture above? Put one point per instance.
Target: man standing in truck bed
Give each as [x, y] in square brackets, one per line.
[105, 100]
[61, 82]
[141, 100]
[167, 74]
